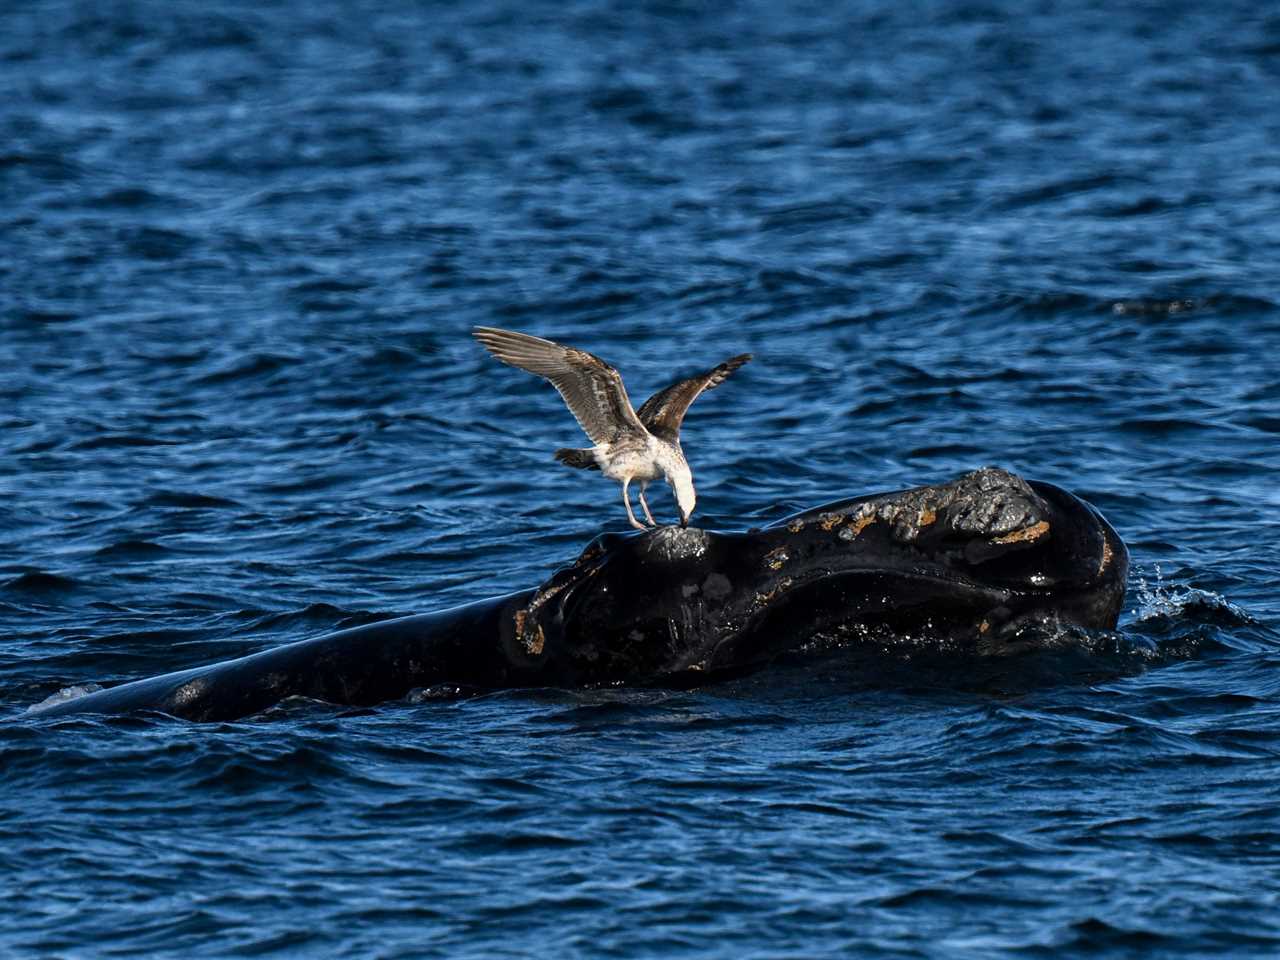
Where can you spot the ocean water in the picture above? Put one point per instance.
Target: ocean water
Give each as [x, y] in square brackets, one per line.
[241, 249]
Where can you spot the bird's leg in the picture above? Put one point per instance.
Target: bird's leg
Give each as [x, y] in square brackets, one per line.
[645, 505]
[627, 500]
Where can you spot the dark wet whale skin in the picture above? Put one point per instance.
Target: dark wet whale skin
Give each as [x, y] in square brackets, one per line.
[680, 606]
[968, 562]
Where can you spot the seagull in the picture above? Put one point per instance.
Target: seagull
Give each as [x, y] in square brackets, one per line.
[630, 445]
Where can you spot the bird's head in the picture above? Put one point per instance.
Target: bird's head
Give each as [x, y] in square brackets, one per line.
[682, 485]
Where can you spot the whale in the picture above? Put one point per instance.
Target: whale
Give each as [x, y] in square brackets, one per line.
[982, 565]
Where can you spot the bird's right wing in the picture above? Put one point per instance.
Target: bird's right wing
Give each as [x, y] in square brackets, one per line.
[591, 388]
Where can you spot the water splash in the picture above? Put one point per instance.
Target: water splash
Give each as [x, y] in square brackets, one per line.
[1171, 601]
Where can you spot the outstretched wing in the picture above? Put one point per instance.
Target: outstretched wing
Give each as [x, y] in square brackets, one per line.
[663, 413]
[591, 388]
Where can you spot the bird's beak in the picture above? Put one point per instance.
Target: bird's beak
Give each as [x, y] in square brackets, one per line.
[684, 521]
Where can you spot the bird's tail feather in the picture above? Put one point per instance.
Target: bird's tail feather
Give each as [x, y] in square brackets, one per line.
[583, 459]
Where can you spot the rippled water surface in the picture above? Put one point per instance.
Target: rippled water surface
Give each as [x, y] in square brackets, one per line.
[241, 248]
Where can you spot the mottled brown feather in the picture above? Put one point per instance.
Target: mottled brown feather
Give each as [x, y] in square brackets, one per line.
[591, 388]
[663, 413]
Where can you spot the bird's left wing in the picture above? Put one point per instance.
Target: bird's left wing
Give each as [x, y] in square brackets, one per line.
[663, 413]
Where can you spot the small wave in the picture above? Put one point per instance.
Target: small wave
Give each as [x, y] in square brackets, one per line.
[805, 215]
[1058, 189]
[386, 357]
[127, 198]
[131, 550]
[243, 368]
[1095, 934]
[1264, 424]
[500, 842]
[619, 98]
[45, 166]
[322, 285]
[1136, 208]
[1161, 426]
[119, 198]
[39, 582]
[604, 301]
[43, 317]
[158, 243]
[211, 31]
[957, 450]
[110, 441]
[294, 765]
[1050, 304]
[187, 501]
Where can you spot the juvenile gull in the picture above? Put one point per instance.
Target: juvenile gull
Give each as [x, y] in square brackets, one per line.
[629, 445]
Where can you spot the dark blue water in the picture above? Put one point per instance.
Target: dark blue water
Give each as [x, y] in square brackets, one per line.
[241, 248]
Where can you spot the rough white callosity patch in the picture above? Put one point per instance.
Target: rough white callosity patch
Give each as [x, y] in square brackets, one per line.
[676, 543]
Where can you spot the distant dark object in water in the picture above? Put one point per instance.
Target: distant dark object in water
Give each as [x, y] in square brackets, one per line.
[971, 563]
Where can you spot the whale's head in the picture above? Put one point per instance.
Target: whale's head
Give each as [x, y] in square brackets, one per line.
[971, 561]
